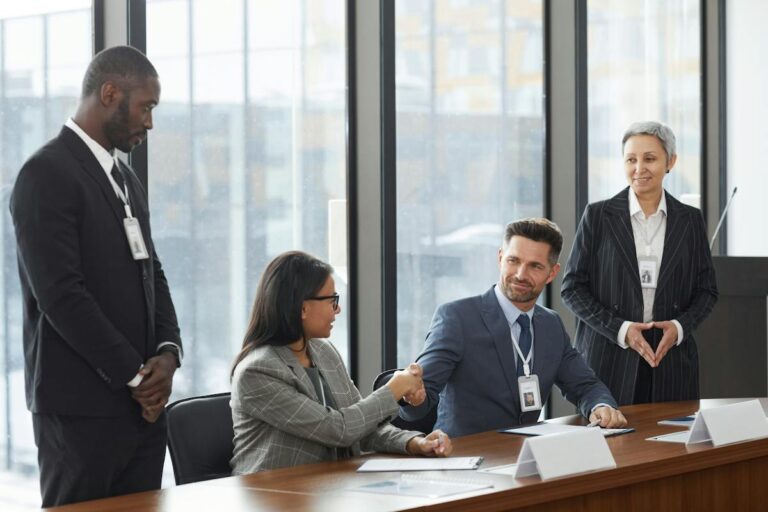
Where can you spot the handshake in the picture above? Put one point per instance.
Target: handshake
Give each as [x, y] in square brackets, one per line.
[407, 385]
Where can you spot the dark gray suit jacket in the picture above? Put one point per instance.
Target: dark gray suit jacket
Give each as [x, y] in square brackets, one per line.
[92, 315]
[602, 287]
[469, 361]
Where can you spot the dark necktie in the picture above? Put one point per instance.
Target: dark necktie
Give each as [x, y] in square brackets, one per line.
[118, 177]
[524, 342]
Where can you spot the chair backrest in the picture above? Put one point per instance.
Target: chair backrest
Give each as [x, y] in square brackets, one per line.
[425, 424]
[200, 438]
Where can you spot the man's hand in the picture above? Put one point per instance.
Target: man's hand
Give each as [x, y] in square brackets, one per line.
[416, 397]
[156, 387]
[668, 339]
[636, 342]
[608, 417]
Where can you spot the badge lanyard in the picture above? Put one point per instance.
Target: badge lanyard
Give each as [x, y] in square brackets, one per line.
[122, 193]
[130, 223]
[528, 384]
[648, 241]
[526, 360]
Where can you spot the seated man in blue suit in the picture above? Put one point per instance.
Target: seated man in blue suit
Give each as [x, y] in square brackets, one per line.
[493, 358]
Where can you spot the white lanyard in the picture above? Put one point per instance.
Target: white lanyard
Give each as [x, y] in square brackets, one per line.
[644, 227]
[121, 193]
[526, 360]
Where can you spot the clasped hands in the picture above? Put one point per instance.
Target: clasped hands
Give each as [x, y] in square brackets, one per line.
[156, 386]
[636, 342]
[407, 385]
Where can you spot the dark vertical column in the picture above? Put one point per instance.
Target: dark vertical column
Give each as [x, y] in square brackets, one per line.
[352, 202]
[388, 184]
[582, 117]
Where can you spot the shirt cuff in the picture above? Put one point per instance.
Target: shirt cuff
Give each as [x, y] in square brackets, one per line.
[598, 406]
[134, 382]
[178, 347]
[680, 332]
[621, 338]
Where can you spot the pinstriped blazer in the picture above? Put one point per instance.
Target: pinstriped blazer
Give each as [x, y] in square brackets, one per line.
[279, 420]
[602, 287]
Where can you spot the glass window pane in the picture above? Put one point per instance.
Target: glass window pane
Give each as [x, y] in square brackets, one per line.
[45, 47]
[470, 143]
[644, 64]
[247, 159]
[747, 81]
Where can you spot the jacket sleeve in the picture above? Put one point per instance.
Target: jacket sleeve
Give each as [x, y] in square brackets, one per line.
[443, 351]
[267, 391]
[45, 206]
[577, 381]
[704, 294]
[166, 323]
[576, 290]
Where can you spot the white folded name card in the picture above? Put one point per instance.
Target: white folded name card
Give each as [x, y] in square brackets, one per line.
[729, 424]
[564, 454]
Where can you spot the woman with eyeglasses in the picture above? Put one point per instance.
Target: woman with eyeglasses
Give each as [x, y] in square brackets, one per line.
[292, 400]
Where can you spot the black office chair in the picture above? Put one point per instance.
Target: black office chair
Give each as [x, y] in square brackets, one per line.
[200, 435]
[425, 424]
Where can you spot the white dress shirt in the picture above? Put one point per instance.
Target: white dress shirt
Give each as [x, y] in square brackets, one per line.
[649, 234]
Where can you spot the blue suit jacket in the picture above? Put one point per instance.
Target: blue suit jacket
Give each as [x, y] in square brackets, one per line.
[469, 361]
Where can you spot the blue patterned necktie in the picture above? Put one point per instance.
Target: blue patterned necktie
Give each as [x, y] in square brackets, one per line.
[524, 342]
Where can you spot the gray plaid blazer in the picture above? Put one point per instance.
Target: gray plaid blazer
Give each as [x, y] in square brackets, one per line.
[280, 422]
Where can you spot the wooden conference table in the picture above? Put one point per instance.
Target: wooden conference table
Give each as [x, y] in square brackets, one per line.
[649, 476]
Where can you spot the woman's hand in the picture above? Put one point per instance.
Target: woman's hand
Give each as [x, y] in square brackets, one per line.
[407, 383]
[436, 444]
[636, 342]
[668, 338]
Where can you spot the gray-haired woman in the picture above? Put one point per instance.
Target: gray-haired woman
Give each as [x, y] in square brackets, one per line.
[640, 279]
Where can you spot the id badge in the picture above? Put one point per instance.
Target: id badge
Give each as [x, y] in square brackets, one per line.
[135, 239]
[648, 271]
[530, 396]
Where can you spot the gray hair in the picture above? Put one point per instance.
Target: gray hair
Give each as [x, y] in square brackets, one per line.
[661, 131]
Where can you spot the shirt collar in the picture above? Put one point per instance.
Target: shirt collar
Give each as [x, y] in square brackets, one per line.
[634, 204]
[511, 312]
[104, 157]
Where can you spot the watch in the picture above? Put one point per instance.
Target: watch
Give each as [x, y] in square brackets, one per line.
[173, 349]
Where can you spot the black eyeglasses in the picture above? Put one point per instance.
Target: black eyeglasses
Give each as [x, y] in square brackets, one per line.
[333, 298]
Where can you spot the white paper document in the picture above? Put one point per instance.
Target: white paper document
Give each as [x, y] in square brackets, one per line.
[545, 429]
[674, 437]
[421, 464]
[409, 485]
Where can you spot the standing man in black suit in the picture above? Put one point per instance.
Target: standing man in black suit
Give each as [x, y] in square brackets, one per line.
[101, 340]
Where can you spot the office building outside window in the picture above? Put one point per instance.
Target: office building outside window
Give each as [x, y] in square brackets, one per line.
[470, 147]
[644, 64]
[247, 159]
[45, 46]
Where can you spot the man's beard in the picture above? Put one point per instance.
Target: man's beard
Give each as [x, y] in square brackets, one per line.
[519, 297]
[116, 128]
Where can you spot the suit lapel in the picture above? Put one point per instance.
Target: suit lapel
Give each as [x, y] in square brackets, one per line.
[497, 325]
[673, 240]
[620, 229]
[93, 169]
[305, 384]
[541, 352]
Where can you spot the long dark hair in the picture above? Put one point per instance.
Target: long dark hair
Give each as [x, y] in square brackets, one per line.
[286, 283]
